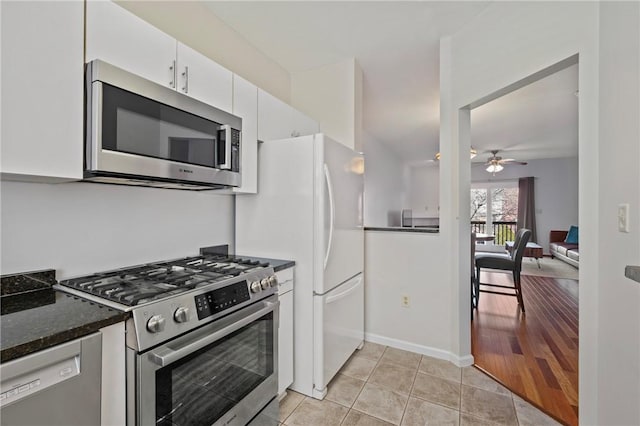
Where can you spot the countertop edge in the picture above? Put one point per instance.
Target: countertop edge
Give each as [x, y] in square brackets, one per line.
[287, 265]
[45, 342]
[402, 229]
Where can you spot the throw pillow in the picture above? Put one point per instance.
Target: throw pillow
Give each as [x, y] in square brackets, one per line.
[572, 235]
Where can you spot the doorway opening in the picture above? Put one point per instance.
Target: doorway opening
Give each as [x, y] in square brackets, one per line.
[534, 135]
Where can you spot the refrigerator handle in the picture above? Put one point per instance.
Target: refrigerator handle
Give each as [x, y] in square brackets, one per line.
[345, 293]
[332, 213]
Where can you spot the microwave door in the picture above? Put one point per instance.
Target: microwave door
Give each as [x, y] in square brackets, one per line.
[197, 151]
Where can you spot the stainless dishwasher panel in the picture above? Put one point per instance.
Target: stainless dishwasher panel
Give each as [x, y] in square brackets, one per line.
[55, 386]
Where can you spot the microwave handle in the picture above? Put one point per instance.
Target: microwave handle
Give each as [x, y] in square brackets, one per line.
[166, 356]
[226, 165]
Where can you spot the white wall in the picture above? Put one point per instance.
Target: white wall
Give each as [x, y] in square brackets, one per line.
[332, 94]
[197, 26]
[501, 47]
[424, 190]
[397, 265]
[618, 343]
[385, 183]
[556, 191]
[81, 228]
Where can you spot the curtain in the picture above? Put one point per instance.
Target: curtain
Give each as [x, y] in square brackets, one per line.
[526, 206]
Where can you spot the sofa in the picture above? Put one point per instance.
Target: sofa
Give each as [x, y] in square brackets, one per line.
[566, 251]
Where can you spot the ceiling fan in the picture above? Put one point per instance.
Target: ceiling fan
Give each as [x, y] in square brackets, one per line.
[495, 163]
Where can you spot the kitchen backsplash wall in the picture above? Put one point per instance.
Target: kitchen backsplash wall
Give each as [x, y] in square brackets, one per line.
[79, 228]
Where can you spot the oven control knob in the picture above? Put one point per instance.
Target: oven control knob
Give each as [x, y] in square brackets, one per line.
[264, 283]
[181, 314]
[255, 287]
[273, 281]
[155, 324]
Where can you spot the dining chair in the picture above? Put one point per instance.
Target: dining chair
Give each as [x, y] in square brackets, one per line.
[505, 262]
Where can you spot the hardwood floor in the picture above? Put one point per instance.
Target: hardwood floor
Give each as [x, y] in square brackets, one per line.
[535, 354]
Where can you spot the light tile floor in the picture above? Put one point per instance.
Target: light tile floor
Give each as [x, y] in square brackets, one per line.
[380, 385]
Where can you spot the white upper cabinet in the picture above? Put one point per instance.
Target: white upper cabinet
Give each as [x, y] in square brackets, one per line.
[42, 90]
[274, 117]
[203, 79]
[279, 120]
[302, 124]
[120, 38]
[245, 106]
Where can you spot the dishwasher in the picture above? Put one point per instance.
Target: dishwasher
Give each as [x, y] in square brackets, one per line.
[55, 386]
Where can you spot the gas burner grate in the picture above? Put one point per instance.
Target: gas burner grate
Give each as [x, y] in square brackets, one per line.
[145, 283]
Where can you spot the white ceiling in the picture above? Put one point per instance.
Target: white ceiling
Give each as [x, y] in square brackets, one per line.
[397, 45]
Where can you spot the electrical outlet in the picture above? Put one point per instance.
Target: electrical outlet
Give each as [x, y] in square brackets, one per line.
[405, 301]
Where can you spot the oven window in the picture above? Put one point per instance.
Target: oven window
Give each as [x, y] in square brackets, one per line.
[136, 125]
[202, 387]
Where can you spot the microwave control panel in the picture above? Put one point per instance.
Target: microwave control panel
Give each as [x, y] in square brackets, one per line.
[235, 150]
[216, 301]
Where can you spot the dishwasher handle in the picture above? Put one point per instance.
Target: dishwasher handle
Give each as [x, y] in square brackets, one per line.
[44, 369]
[39, 360]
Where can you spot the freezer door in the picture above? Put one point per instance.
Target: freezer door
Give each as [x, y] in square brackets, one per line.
[339, 330]
[339, 231]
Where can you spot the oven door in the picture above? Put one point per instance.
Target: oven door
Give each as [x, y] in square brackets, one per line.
[221, 374]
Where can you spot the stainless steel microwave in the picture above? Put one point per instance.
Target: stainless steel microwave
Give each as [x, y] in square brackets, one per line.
[144, 134]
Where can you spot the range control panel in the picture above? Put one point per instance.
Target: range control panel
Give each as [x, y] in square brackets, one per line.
[216, 301]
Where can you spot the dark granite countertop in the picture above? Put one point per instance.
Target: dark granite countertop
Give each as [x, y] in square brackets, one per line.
[632, 272]
[423, 230]
[41, 317]
[277, 264]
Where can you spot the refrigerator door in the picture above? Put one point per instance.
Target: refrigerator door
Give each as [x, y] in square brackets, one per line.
[339, 235]
[338, 330]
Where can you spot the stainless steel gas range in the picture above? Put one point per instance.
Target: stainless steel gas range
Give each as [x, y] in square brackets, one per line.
[201, 340]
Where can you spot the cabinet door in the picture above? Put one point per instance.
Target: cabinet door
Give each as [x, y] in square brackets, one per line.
[274, 117]
[285, 342]
[245, 106]
[203, 79]
[42, 90]
[120, 38]
[303, 124]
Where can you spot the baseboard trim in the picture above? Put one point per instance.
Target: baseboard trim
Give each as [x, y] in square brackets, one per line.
[460, 361]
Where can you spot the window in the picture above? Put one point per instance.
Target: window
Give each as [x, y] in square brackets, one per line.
[494, 209]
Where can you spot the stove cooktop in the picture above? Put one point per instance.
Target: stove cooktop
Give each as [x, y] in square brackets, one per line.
[156, 281]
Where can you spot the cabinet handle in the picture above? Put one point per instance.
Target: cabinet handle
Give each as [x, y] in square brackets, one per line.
[172, 68]
[185, 74]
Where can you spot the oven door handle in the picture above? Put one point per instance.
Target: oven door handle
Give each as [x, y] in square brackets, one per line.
[166, 355]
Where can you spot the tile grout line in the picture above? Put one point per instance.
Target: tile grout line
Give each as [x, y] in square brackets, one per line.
[304, 397]
[413, 383]
[365, 384]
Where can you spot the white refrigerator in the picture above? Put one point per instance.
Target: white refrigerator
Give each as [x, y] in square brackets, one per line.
[309, 208]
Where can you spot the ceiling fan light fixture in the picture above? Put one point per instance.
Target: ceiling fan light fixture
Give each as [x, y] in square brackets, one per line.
[494, 168]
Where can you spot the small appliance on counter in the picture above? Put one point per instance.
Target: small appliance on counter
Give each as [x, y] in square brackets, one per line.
[201, 340]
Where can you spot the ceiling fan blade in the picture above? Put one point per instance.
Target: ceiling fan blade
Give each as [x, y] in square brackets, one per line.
[512, 161]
